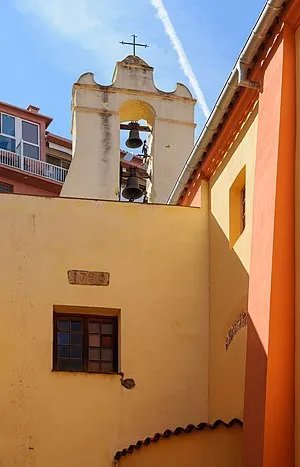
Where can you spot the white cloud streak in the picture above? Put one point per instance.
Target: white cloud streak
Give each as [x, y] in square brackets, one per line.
[81, 22]
[163, 15]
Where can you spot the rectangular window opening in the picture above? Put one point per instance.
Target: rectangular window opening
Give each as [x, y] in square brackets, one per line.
[6, 188]
[243, 208]
[19, 136]
[85, 343]
[30, 139]
[53, 160]
[58, 162]
[7, 133]
[237, 207]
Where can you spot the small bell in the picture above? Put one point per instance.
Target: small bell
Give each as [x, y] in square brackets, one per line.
[134, 141]
[132, 190]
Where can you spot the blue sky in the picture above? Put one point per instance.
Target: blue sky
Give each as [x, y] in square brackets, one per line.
[50, 43]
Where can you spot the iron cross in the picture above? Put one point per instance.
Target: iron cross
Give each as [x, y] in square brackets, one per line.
[134, 43]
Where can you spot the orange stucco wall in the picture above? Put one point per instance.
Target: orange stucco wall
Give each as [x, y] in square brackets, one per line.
[269, 394]
[297, 253]
[218, 448]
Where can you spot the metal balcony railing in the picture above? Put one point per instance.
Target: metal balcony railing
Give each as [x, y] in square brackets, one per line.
[33, 166]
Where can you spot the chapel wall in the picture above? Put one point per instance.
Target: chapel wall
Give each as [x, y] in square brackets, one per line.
[157, 257]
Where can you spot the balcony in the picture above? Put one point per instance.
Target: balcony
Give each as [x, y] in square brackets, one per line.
[32, 166]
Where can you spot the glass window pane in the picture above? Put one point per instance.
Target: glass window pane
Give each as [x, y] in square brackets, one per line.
[63, 351]
[94, 327]
[94, 340]
[63, 338]
[94, 354]
[64, 364]
[8, 125]
[106, 328]
[85, 344]
[31, 151]
[107, 367]
[106, 341]
[8, 144]
[107, 354]
[30, 132]
[6, 188]
[76, 352]
[63, 325]
[65, 164]
[76, 365]
[94, 367]
[53, 160]
[75, 325]
[76, 339]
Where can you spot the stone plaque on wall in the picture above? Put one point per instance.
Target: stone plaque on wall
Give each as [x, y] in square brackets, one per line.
[77, 277]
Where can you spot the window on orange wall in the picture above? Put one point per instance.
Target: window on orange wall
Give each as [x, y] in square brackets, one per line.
[85, 343]
[243, 208]
[237, 207]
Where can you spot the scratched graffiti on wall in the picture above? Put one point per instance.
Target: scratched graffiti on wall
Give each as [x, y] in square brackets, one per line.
[239, 324]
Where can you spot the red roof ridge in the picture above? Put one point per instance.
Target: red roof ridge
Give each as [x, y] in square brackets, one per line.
[178, 431]
[47, 120]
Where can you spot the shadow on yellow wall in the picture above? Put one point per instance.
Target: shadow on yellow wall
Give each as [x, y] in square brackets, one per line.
[228, 298]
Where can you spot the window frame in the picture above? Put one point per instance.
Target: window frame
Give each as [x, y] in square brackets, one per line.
[236, 225]
[1, 125]
[11, 187]
[18, 137]
[86, 318]
[243, 208]
[28, 142]
[5, 135]
[61, 161]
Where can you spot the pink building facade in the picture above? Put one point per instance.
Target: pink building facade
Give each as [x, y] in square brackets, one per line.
[32, 160]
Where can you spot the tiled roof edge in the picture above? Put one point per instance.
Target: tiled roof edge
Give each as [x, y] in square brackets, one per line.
[178, 431]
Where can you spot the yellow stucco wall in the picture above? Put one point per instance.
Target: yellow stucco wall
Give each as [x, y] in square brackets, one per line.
[297, 254]
[50, 418]
[218, 448]
[229, 270]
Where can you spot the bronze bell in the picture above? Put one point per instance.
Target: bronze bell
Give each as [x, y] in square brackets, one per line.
[134, 141]
[132, 190]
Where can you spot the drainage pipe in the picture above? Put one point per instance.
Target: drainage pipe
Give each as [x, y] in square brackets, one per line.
[238, 77]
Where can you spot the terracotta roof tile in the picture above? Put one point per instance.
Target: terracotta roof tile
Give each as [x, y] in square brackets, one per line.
[178, 431]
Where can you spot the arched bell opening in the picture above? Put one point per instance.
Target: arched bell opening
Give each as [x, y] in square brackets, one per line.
[136, 125]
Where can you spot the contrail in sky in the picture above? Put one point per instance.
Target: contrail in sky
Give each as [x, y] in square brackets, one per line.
[183, 60]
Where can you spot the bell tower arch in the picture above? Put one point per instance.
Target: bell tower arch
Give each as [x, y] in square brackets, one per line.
[137, 110]
[97, 113]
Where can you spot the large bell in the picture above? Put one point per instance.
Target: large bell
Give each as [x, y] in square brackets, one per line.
[132, 190]
[134, 141]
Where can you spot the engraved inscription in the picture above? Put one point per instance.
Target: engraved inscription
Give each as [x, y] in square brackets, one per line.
[239, 324]
[77, 277]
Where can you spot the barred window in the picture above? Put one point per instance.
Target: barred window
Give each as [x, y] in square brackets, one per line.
[85, 343]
